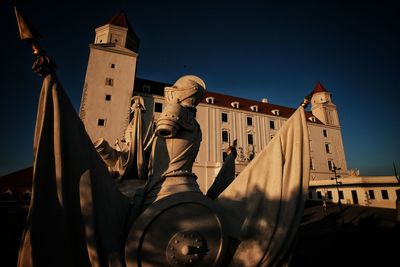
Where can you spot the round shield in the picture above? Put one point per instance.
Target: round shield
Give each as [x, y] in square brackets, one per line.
[183, 229]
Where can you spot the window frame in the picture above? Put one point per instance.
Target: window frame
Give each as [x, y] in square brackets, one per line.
[272, 125]
[109, 81]
[371, 194]
[249, 121]
[250, 137]
[224, 114]
[225, 140]
[330, 164]
[328, 148]
[385, 194]
[101, 122]
[158, 104]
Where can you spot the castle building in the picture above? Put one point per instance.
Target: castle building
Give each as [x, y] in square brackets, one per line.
[111, 82]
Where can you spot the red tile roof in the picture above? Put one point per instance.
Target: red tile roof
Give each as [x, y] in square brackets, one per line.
[222, 100]
[319, 88]
[21, 178]
[120, 19]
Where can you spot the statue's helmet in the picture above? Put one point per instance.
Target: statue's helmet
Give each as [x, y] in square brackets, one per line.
[188, 91]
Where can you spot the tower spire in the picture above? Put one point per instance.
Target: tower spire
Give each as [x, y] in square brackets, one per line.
[319, 88]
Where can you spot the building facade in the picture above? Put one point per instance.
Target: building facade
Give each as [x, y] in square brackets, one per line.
[373, 191]
[110, 83]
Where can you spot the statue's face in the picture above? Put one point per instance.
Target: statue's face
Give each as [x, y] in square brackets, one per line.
[187, 91]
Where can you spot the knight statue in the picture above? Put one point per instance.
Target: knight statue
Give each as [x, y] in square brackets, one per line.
[138, 203]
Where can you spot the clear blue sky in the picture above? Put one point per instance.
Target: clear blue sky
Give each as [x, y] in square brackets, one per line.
[252, 49]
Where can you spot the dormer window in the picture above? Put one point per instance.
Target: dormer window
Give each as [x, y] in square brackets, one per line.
[146, 89]
[254, 108]
[313, 119]
[275, 112]
[210, 100]
[235, 104]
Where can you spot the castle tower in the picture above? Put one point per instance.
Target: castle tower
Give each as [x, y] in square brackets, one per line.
[322, 106]
[327, 143]
[109, 81]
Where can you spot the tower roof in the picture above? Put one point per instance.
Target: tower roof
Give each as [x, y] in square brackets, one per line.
[319, 88]
[120, 19]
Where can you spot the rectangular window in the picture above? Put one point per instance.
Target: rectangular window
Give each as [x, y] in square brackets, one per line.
[250, 139]
[371, 194]
[108, 97]
[355, 196]
[319, 195]
[272, 124]
[225, 136]
[330, 165]
[224, 117]
[158, 107]
[101, 122]
[385, 194]
[249, 121]
[312, 164]
[329, 194]
[109, 81]
[112, 65]
[328, 148]
[325, 133]
[341, 196]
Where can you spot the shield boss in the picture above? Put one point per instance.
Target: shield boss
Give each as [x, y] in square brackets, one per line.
[183, 229]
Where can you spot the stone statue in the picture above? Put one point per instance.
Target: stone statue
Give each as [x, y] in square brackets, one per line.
[127, 162]
[80, 216]
[240, 155]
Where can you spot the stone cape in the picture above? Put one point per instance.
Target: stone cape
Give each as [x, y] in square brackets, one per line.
[78, 217]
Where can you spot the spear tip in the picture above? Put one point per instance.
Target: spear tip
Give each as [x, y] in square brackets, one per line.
[26, 31]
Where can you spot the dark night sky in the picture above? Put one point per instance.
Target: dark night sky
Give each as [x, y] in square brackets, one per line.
[252, 49]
